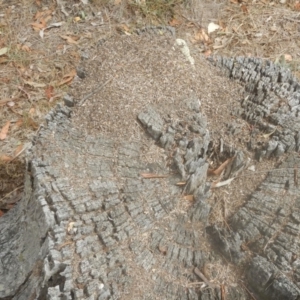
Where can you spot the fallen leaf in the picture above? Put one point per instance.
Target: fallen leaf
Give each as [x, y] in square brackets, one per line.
[5, 80]
[38, 26]
[163, 249]
[288, 57]
[76, 19]
[297, 6]
[200, 35]
[18, 149]
[175, 22]
[32, 123]
[244, 8]
[3, 59]
[68, 77]
[24, 91]
[3, 51]
[31, 111]
[4, 130]
[189, 197]
[212, 27]
[5, 101]
[207, 53]
[25, 48]
[123, 28]
[5, 158]
[220, 169]
[19, 123]
[221, 183]
[58, 24]
[152, 175]
[49, 92]
[70, 226]
[41, 33]
[69, 39]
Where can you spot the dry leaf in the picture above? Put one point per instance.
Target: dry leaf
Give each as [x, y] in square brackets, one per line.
[49, 92]
[18, 149]
[221, 183]
[288, 57]
[3, 51]
[163, 249]
[5, 158]
[212, 27]
[152, 175]
[3, 59]
[297, 6]
[32, 123]
[19, 123]
[123, 28]
[68, 77]
[10, 104]
[207, 53]
[31, 111]
[244, 8]
[70, 226]
[76, 19]
[57, 24]
[175, 22]
[41, 33]
[5, 101]
[4, 130]
[69, 39]
[25, 48]
[200, 35]
[40, 25]
[189, 197]
[220, 169]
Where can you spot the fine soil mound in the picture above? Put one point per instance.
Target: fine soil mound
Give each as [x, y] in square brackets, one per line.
[167, 180]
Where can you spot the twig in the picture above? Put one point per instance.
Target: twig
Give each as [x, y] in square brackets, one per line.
[292, 20]
[251, 295]
[152, 175]
[2, 199]
[18, 154]
[198, 273]
[266, 171]
[94, 91]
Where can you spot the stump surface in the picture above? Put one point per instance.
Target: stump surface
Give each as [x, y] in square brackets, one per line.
[103, 216]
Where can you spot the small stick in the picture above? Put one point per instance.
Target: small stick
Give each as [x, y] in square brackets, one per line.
[2, 199]
[198, 273]
[94, 91]
[292, 20]
[251, 295]
[296, 176]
